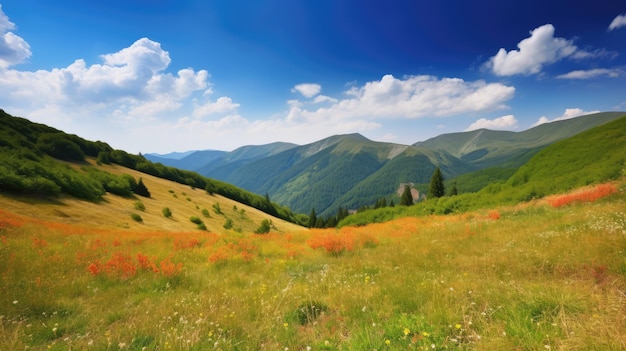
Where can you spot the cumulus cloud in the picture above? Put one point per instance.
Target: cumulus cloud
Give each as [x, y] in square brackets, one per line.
[592, 73]
[618, 22]
[540, 49]
[569, 113]
[131, 81]
[411, 97]
[221, 105]
[308, 90]
[13, 49]
[501, 123]
[323, 98]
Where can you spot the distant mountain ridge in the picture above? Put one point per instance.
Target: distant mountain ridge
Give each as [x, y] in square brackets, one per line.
[350, 170]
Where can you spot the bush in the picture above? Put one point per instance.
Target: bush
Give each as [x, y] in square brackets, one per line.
[195, 220]
[59, 145]
[167, 212]
[206, 213]
[139, 206]
[228, 224]
[136, 217]
[264, 228]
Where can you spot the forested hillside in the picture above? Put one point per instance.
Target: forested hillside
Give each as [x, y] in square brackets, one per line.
[594, 156]
[350, 171]
[44, 161]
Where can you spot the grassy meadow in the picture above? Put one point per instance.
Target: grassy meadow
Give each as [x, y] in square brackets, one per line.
[544, 275]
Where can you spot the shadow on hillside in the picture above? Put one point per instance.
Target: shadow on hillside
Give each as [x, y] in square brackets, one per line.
[33, 199]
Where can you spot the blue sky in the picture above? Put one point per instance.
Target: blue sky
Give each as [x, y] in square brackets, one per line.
[161, 76]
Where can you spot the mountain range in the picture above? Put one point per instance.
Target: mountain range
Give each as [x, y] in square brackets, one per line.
[350, 171]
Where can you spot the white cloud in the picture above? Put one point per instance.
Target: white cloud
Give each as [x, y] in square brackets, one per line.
[13, 49]
[592, 73]
[130, 81]
[308, 90]
[501, 123]
[569, 113]
[411, 97]
[323, 98]
[540, 49]
[221, 105]
[618, 22]
[130, 100]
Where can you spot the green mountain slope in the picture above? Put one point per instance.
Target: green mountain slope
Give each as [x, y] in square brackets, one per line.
[313, 175]
[487, 148]
[588, 157]
[40, 160]
[351, 171]
[593, 156]
[188, 162]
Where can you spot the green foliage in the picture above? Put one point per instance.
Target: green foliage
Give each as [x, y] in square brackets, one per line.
[265, 227]
[139, 206]
[136, 217]
[437, 188]
[195, 219]
[407, 198]
[210, 188]
[217, 209]
[593, 156]
[104, 157]
[58, 145]
[206, 213]
[312, 219]
[228, 224]
[114, 184]
[453, 190]
[167, 212]
[141, 189]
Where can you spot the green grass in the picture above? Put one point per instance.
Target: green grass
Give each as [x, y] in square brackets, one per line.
[528, 277]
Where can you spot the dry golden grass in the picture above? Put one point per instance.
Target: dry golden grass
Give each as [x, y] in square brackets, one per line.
[115, 211]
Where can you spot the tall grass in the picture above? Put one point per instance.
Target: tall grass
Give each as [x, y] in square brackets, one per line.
[530, 277]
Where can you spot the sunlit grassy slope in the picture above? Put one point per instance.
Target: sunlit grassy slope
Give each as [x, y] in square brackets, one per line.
[545, 275]
[115, 211]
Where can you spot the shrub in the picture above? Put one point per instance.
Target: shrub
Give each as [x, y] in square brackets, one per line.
[59, 145]
[195, 219]
[136, 217]
[206, 213]
[216, 208]
[139, 206]
[228, 224]
[265, 227]
[167, 212]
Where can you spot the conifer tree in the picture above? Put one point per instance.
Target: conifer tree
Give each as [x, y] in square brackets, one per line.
[141, 189]
[454, 191]
[407, 198]
[436, 189]
[312, 219]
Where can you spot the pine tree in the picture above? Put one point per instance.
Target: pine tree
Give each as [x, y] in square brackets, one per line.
[312, 219]
[141, 189]
[407, 198]
[436, 189]
[453, 190]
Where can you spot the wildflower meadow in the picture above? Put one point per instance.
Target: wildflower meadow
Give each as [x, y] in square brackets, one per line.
[544, 275]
